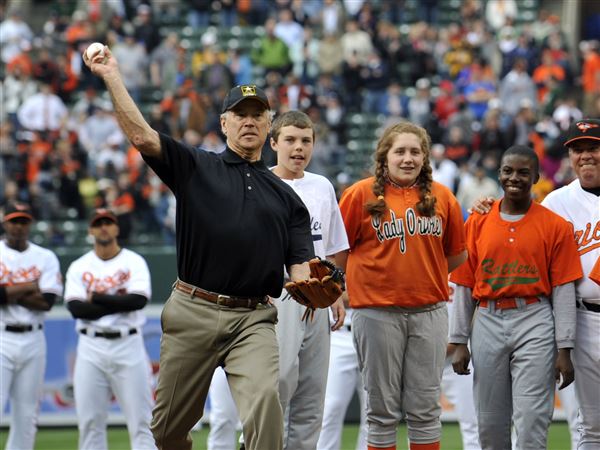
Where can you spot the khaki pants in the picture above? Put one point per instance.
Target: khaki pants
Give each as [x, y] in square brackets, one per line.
[197, 337]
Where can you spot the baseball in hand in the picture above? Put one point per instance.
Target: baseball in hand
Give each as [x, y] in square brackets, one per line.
[94, 49]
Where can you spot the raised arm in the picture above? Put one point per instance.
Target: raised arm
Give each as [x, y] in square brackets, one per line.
[130, 118]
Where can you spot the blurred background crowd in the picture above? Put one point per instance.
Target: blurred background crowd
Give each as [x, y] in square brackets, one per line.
[479, 75]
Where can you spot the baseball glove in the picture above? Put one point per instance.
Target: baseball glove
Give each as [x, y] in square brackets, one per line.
[324, 287]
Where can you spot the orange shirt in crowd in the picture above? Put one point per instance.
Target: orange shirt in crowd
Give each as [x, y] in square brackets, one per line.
[590, 74]
[526, 258]
[400, 260]
[595, 273]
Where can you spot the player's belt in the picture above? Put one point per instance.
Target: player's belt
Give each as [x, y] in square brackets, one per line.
[593, 307]
[108, 334]
[22, 328]
[507, 303]
[219, 299]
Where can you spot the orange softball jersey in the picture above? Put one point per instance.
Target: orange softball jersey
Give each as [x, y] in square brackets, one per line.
[400, 259]
[525, 258]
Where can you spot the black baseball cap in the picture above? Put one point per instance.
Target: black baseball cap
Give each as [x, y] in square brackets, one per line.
[102, 213]
[17, 210]
[243, 92]
[583, 129]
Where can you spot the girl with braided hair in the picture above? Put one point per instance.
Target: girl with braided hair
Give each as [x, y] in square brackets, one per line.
[406, 234]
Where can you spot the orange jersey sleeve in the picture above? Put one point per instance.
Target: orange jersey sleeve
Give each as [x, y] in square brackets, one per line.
[518, 259]
[595, 273]
[400, 259]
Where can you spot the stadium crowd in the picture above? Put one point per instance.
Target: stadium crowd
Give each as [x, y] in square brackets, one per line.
[478, 85]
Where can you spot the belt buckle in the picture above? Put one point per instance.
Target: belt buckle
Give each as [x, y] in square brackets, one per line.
[222, 299]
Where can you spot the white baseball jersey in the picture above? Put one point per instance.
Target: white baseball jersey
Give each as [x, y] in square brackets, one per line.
[126, 273]
[35, 263]
[327, 226]
[582, 210]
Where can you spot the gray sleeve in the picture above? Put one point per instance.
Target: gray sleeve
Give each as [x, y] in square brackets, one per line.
[462, 315]
[563, 303]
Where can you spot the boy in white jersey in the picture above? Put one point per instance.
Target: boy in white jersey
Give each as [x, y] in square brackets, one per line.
[105, 291]
[30, 281]
[303, 346]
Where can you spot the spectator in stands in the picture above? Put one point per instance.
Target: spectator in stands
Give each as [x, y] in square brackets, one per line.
[478, 91]
[547, 75]
[272, 53]
[145, 30]
[289, 31]
[476, 185]
[492, 139]
[306, 58]
[516, 86]
[199, 13]
[332, 17]
[524, 122]
[331, 57]
[352, 84]
[84, 107]
[443, 170]
[44, 111]
[499, 12]
[590, 75]
[420, 105]
[133, 64]
[458, 148]
[96, 130]
[79, 29]
[16, 88]
[163, 63]
[356, 43]
[13, 31]
[375, 77]
[240, 65]
[446, 103]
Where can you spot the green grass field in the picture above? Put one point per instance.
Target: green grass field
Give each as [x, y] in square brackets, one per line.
[66, 438]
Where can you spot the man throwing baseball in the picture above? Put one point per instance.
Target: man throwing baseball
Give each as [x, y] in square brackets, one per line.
[238, 225]
[30, 281]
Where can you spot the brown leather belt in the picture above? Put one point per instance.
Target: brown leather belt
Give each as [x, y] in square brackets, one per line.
[219, 299]
[507, 303]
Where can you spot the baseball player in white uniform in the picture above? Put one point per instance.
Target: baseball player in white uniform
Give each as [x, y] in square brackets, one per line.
[343, 380]
[303, 345]
[579, 203]
[30, 281]
[458, 389]
[105, 291]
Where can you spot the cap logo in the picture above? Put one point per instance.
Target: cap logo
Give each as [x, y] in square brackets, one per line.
[585, 126]
[248, 90]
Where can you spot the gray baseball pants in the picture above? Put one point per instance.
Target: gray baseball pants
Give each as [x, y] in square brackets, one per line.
[401, 357]
[303, 366]
[513, 359]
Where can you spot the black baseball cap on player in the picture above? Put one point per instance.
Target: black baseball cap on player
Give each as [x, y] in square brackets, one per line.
[102, 213]
[583, 129]
[243, 92]
[17, 210]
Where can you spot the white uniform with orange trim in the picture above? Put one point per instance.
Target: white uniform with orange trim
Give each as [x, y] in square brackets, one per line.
[458, 390]
[582, 210]
[22, 352]
[111, 366]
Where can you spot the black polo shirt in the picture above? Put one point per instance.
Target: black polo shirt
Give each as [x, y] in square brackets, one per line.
[237, 223]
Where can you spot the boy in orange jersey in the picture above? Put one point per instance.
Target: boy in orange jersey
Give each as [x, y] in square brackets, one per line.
[521, 256]
[405, 233]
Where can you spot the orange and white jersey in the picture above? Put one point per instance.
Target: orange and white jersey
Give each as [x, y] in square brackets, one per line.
[400, 259]
[126, 273]
[34, 264]
[582, 210]
[595, 273]
[524, 258]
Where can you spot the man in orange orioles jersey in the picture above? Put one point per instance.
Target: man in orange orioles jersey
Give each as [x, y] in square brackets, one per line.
[405, 233]
[519, 277]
